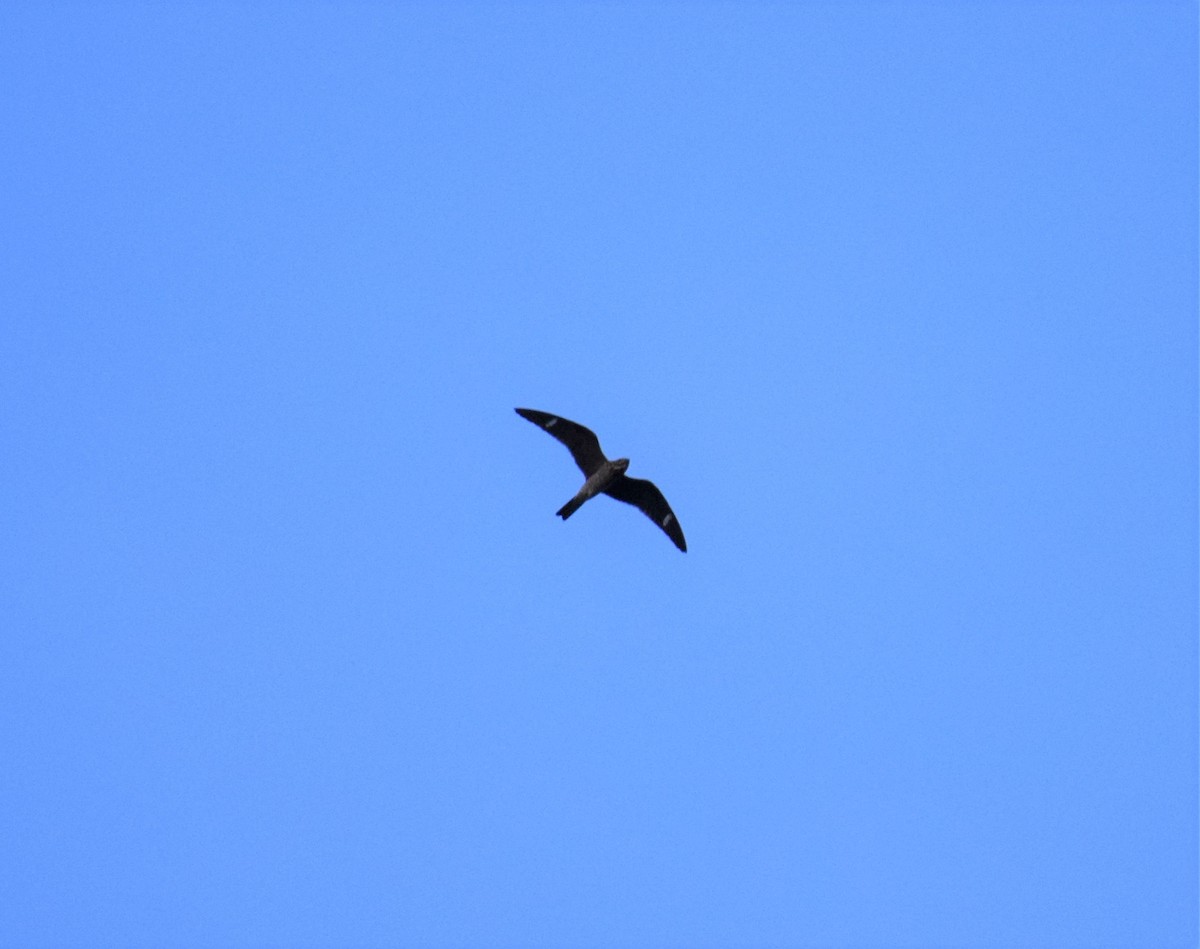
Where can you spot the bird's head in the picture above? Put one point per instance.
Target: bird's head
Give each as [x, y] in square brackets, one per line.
[621, 464]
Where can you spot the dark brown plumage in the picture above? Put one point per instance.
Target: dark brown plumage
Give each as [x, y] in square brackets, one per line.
[604, 476]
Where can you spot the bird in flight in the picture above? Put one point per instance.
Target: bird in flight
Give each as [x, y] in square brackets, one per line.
[604, 476]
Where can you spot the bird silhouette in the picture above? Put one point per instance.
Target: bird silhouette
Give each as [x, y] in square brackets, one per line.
[604, 476]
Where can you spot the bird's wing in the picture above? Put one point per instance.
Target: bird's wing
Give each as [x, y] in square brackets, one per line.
[582, 442]
[650, 501]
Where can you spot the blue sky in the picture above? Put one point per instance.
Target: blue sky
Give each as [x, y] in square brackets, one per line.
[896, 302]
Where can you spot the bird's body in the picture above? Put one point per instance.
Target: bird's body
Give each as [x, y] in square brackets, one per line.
[604, 476]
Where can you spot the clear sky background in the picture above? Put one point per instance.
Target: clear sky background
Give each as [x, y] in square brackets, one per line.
[896, 302]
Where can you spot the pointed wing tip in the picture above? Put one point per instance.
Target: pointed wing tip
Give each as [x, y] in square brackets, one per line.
[670, 526]
[533, 415]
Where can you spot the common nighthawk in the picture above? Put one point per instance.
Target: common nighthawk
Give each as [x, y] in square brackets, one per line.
[604, 476]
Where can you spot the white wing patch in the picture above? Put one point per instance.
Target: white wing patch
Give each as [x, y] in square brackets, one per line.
[552, 423]
[667, 520]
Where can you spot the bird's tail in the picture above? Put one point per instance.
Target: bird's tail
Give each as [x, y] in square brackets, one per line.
[570, 507]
